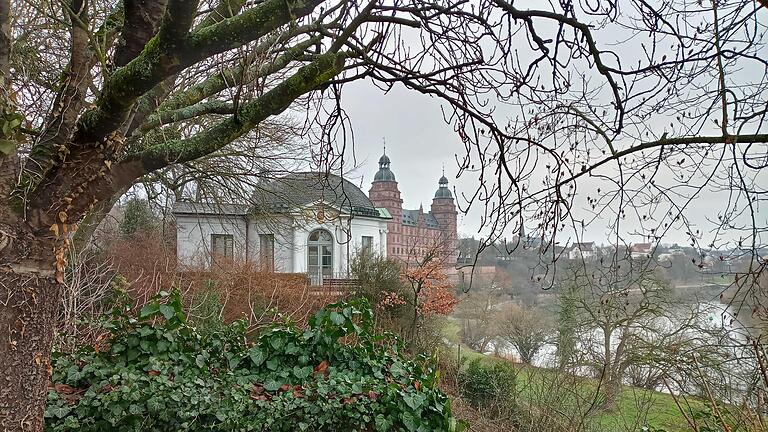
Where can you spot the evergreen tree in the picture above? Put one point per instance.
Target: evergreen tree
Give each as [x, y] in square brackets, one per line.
[138, 218]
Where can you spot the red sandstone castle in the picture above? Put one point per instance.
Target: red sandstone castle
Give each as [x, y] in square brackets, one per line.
[412, 233]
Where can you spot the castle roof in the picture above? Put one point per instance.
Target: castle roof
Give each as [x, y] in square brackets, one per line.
[411, 217]
[442, 190]
[384, 174]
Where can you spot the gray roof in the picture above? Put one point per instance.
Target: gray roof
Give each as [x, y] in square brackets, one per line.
[443, 192]
[196, 208]
[411, 217]
[584, 247]
[384, 173]
[299, 189]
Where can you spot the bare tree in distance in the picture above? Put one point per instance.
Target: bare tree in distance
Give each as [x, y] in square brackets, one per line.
[478, 316]
[614, 307]
[622, 115]
[526, 330]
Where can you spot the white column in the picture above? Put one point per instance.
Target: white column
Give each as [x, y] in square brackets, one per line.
[298, 249]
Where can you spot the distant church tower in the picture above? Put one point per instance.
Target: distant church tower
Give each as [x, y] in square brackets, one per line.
[444, 210]
[385, 193]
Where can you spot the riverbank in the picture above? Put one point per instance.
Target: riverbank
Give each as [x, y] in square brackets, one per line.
[552, 392]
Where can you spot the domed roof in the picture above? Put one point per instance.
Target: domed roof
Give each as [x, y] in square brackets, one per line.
[443, 191]
[384, 173]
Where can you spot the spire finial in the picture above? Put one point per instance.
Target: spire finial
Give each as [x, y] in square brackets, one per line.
[384, 139]
[443, 169]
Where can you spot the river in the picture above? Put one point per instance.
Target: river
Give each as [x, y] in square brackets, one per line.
[708, 331]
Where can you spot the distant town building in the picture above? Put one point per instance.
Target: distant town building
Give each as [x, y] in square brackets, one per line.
[641, 250]
[582, 251]
[665, 257]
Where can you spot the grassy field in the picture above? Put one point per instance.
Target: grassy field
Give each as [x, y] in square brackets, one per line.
[575, 397]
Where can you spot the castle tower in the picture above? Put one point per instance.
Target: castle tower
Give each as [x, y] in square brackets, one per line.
[385, 193]
[444, 210]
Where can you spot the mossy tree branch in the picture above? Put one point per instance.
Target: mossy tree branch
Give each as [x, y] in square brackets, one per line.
[164, 56]
[166, 117]
[142, 19]
[5, 40]
[273, 102]
[150, 101]
[227, 78]
[69, 100]
[104, 180]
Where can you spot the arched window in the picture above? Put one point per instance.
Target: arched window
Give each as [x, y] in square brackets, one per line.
[320, 256]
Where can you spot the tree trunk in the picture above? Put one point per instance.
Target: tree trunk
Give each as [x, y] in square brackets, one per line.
[611, 381]
[29, 297]
[91, 222]
[415, 318]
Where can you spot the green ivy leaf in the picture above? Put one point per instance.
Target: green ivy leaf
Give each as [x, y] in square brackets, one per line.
[149, 310]
[272, 385]
[410, 422]
[162, 345]
[167, 311]
[397, 369]
[257, 356]
[132, 354]
[302, 372]
[7, 146]
[72, 423]
[58, 411]
[414, 400]
[337, 318]
[273, 364]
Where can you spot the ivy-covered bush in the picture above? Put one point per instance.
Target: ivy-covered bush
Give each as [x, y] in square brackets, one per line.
[158, 373]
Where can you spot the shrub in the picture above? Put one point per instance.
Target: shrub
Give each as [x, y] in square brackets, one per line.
[158, 373]
[244, 291]
[378, 279]
[490, 386]
[261, 298]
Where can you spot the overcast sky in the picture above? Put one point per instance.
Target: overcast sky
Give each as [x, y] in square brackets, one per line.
[419, 143]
